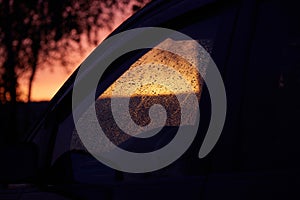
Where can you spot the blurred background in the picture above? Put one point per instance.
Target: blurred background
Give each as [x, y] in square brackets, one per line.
[41, 43]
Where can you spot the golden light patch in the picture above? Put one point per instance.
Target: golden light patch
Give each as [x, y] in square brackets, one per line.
[154, 66]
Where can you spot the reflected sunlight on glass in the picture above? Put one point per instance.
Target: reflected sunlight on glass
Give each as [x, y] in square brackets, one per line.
[152, 61]
[153, 66]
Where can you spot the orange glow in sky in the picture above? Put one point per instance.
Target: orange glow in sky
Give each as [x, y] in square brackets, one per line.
[49, 79]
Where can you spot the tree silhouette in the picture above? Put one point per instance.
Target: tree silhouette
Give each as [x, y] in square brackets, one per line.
[40, 31]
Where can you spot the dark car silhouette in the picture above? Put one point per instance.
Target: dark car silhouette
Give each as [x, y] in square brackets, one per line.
[254, 43]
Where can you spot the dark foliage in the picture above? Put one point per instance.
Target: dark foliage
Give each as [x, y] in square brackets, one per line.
[37, 32]
[40, 31]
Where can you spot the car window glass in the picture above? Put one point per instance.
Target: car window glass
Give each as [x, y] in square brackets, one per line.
[144, 97]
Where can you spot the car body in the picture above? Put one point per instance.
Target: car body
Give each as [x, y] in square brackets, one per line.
[255, 45]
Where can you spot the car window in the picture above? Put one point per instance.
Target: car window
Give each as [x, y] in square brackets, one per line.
[85, 168]
[151, 68]
[204, 32]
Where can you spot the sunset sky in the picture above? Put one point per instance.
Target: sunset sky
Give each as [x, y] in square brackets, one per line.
[48, 80]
